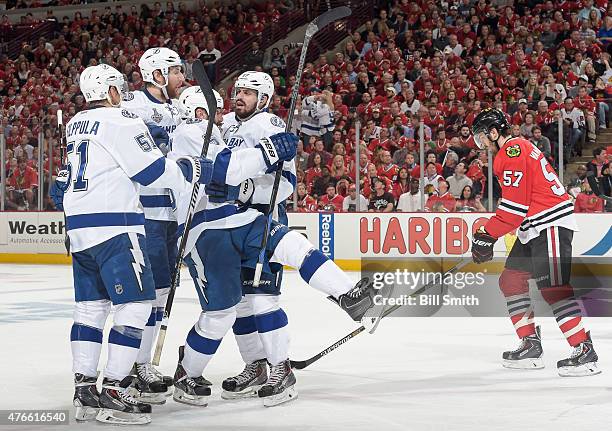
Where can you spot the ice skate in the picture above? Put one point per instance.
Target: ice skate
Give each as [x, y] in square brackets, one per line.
[118, 405]
[86, 397]
[247, 383]
[279, 388]
[190, 390]
[528, 356]
[149, 382]
[583, 361]
[357, 301]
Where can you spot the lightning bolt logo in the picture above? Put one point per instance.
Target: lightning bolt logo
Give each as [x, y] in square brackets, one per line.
[138, 263]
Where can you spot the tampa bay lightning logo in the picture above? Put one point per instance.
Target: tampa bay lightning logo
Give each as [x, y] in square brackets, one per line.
[156, 116]
[174, 112]
[277, 122]
[128, 96]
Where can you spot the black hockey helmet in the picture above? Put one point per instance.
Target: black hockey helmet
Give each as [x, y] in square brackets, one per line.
[487, 119]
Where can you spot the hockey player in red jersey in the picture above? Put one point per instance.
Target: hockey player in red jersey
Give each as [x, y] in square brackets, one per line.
[535, 203]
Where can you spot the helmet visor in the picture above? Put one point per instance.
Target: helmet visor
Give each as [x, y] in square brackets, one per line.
[481, 140]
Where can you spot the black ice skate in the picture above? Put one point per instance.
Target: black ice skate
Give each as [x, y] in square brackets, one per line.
[190, 390]
[279, 388]
[118, 405]
[528, 356]
[150, 384]
[357, 301]
[86, 397]
[247, 383]
[583, 361]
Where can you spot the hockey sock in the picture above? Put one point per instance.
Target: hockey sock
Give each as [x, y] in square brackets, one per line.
[123, 345]
[271, 322]
[315, 268]
[148, 337]
[515, 287]
[86, 344]
[204, 339]
[245, 332]
[567, 312]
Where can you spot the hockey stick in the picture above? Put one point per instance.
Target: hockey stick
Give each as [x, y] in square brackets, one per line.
[594, 184]
[300, 365]
[199, 74]
[60, 128]
[317, 24]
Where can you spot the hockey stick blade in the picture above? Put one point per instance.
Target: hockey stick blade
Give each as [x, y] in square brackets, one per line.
[330, 16]
[299, 365]
[201, 77]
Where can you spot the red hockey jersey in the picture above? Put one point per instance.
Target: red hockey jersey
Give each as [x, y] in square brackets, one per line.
[533, 198]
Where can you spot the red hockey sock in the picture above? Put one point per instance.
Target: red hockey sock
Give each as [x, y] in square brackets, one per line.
[515, 287]
[567, 312]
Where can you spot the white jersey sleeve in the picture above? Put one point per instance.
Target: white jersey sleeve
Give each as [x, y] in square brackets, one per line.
[110, 154]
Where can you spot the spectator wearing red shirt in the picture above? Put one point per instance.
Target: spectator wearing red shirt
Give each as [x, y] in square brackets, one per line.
[587, 104]
[402, 184]
[387, 168]
[314, 171]
[22, 183]
[587, 202]
[442, 201]
[305, 202]
[331, 201]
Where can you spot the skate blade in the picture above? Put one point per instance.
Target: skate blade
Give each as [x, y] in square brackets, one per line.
[152, 397]
[250, 392]
[181, 397]
[524, 364]
[588, 369]
[85, 413]
[121, 418]
[286, 396]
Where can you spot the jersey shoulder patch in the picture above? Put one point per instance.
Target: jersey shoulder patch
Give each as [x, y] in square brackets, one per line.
[128, 114]
[128, 96]
[513, 150]
[277, 122]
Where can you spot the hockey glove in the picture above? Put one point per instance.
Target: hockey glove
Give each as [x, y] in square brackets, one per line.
[221, 193]
[59, 187]
[196, 169]
[482, 246]
[280, 147]
[160, 137]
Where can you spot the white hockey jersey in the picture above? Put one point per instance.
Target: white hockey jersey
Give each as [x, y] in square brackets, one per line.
[158, 203]
[110, 155]
[246, 134]
[231, 168]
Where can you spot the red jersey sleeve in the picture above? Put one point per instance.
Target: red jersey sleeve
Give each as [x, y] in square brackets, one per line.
[510, 167]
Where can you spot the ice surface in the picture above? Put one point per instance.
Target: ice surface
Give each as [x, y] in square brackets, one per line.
[412, 374]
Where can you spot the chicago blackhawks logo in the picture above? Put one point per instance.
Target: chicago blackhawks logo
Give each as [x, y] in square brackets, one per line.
[513, 151]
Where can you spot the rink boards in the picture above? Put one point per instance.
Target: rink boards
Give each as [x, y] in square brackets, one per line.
[38, 237]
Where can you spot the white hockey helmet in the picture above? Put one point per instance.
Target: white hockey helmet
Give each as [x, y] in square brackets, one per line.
[191, 98]
[96, 81]
[161, 59]
[258, 81]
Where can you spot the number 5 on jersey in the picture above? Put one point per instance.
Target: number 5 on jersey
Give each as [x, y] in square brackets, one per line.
[80, 183]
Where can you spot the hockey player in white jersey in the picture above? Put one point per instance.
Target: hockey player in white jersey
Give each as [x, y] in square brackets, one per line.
[221, 232]
[110, 156]
[261, 325]
[161, 70]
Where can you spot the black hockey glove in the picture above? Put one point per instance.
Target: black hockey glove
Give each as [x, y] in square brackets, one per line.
[482, 246]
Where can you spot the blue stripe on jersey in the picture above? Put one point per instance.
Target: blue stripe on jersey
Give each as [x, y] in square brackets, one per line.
[160, 314]
[244, 325]
[116, 337]
[156, 201]
[104, 219]
[85, 333]
[151, 321]
[311, 263]
[151, 98]
[221, 164]
[151, 172]
[290, 177]
[270, 321]
[307, 126]
[212, 215]
[200, 344]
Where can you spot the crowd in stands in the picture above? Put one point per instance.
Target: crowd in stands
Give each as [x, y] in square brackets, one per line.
[420, 67]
